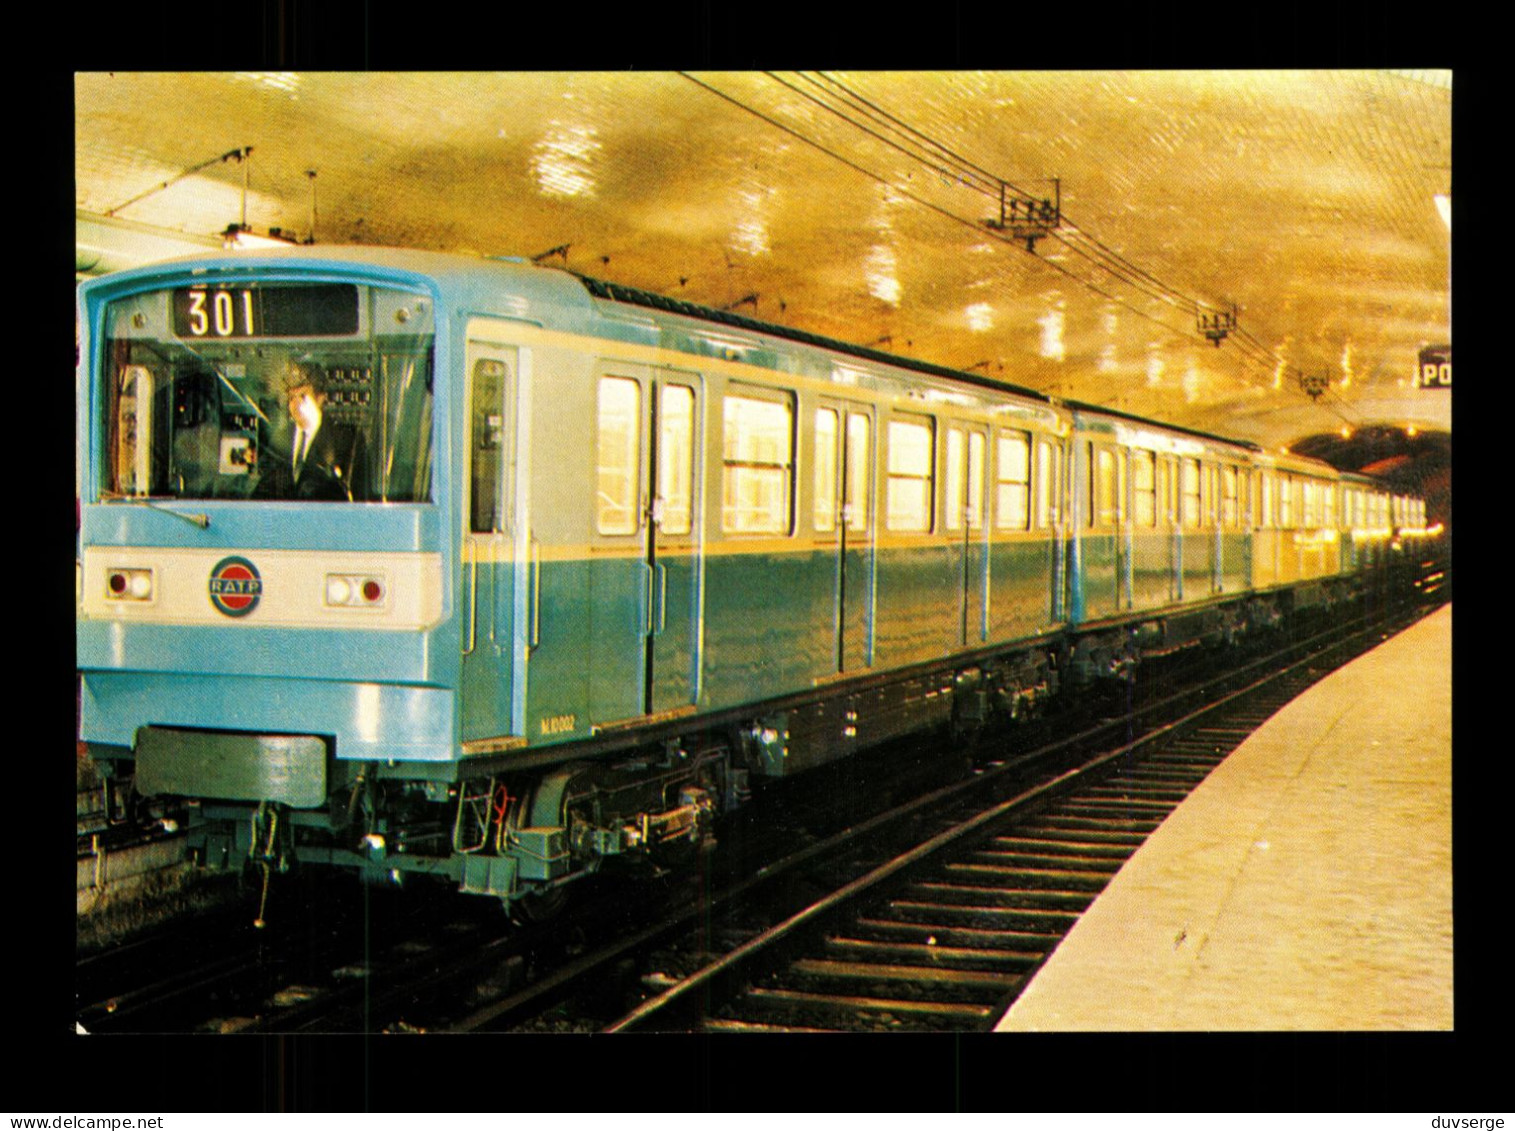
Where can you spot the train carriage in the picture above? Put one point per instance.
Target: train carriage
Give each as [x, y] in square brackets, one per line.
[413, 563]
[1160, 516]
[1296, 538]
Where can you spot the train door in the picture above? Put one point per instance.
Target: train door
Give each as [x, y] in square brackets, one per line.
[674, 540]
[844, 508]
[1102, 556]
[1124, 548]
[963, 521]
[488, 543]
[1054, 510]
[646, 596]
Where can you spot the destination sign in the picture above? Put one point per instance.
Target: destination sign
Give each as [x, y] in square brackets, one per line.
[321, 310]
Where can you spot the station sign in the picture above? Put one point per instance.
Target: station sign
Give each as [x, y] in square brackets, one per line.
[1434, 370]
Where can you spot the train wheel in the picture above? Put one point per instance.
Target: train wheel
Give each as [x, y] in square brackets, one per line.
[538, 907]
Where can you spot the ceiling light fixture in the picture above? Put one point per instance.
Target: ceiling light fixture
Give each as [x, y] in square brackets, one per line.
[1444, 207]
[239, 237]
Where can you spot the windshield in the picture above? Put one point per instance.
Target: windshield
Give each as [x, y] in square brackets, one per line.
[273, 391]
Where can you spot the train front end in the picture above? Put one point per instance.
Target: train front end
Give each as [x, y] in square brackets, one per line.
[262, 580]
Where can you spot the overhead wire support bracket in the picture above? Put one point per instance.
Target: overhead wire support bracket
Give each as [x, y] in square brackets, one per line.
[561, 251]
[239, 154]
[1026, 218]
[1215, 324]
[1314, 384]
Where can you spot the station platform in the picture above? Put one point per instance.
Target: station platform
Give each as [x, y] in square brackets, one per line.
[1305, 885]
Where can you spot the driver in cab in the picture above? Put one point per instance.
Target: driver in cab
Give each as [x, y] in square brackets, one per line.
[325, 459]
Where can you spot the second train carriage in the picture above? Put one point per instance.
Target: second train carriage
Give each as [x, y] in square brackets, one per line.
[574, 562]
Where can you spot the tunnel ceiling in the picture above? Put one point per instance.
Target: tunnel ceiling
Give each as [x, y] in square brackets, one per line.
[867, 206]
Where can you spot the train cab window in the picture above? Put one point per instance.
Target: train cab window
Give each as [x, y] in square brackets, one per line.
[827, 482]
[1229, 511]
[675, 459]
[911, 475]
[1012, 482]
[1047, 478]
[618, 456]
[270, 391]
[1190, 488]
[1144, 488]
[758, 464]
[964, 480]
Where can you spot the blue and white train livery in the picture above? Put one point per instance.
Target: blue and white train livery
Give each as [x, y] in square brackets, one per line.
[417, 563]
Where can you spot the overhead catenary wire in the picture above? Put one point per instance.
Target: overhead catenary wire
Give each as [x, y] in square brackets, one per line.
[964, 172]
[1254, 357]
[979, 180]
[1094, 250]
[938, 209]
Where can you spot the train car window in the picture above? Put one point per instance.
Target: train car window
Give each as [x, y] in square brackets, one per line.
[1012, 482]
[223, 391]
[1328, 499]
[1190, 486]
[1229, 511]
[1268, 489]
[964, 480]
[826, 480]
[955, 480]
[1102, 487]
[758, 465]
[675, 458]
[618, 457]
[1170, 477]
[1047, 491]
[1144, 487]
[1122, 483]
[859, 471]
[486, 503]
[976, 480]
[911, 475]
[1286, 502]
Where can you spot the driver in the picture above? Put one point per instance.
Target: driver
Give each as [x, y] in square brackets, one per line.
[325, 459]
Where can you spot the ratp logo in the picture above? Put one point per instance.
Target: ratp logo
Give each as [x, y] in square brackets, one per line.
[235, 586]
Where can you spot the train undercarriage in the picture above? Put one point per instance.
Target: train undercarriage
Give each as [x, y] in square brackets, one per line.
[524, 837]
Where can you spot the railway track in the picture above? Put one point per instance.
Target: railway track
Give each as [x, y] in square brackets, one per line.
[930, 915]
[942, 933]
[945, 936]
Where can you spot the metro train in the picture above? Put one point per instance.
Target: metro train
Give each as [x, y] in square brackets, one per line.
[419, 564]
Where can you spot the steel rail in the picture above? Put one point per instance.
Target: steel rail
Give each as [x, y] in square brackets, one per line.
[680, 994]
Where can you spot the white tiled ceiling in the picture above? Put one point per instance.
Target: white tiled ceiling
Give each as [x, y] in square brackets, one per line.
[846, 202]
